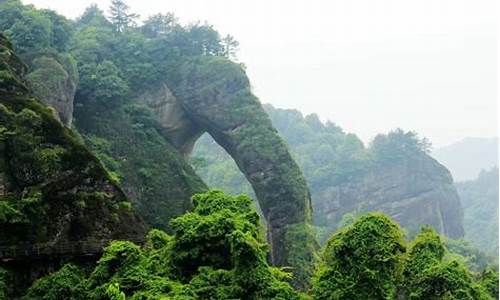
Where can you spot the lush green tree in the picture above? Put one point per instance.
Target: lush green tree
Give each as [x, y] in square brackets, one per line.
[362, 261]
[489, 281]
[475, 259]
[120, 16]
[67, 283]
[479, 199]
[217, 251]
[397, 145]
[427, 275]
[102, 84]
[93, 16]
[230, 45]
[61, 30]
[159, 25]
[31, 30]
[205, 40]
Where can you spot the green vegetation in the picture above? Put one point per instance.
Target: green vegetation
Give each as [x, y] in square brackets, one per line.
[327, 156]
[362, 261]
[429, 275]
[367, 260]
[479, 199]
[43, 164]
[217, 251]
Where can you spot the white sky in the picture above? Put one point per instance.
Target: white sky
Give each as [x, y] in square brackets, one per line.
[369, 66]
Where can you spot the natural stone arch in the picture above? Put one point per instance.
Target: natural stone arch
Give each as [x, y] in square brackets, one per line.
[212, 94]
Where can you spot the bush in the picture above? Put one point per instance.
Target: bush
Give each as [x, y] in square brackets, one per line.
[362, 261]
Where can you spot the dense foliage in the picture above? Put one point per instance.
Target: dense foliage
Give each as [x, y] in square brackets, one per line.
[325, 153]
[46, 174]
[368, 260]
[428, 274]
[217, 251]
[362, 261]
[110, 61]
[480, 204]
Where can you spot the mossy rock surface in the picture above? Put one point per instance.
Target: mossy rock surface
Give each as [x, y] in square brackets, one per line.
[52, 188]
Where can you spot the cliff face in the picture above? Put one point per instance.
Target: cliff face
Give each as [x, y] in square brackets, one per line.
[212, 94]
[346, 177]
[53, 79]
[415, 192]
[151, 171]
[52, 189]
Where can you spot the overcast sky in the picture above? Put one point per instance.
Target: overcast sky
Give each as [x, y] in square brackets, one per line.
[369, 66]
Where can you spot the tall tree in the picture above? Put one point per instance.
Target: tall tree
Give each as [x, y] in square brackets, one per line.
[159, 24]
[230, 46]
[120, 16]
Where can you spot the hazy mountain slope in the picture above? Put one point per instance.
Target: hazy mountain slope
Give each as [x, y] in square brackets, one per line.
[394, 174]
[466, 158]
[479, 199]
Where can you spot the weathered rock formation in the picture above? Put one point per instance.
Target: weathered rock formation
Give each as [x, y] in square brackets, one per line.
[52, 189]
[416, 191]
[209, 94]
[212, 94]
[53, 79]
[175, 123]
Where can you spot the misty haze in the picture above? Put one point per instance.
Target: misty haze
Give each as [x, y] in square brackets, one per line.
[216, 149]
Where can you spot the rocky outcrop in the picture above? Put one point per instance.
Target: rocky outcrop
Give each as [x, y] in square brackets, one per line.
[53, 190]
[53, 79]
[415, 191]
[175, 123]
[212, 94]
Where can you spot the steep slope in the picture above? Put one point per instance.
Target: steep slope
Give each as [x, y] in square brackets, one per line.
[120, 71]
[52, 189]
[152, 172]
[480, 204]
[415, 191]
[53, 79]
[466, 158]
[394, 175]
[215, 95]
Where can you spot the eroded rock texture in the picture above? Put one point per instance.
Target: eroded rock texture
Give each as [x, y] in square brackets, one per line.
[53, 79]
[416, 191]
[52, 189]
[213, 95]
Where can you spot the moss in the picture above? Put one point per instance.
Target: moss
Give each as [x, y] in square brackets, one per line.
[158, 270]
[301, 253]
[67, 283]
[158, 180]
[52, 176]
[362, 261]
[489, 281]
[427, 275]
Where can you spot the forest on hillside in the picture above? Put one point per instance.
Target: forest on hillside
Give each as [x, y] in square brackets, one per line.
[87, 155]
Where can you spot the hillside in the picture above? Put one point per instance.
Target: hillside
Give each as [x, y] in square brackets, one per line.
[479, 199]
[394, 174]
[466, 158]
[97, 128]
[144, 94]
[53, 191]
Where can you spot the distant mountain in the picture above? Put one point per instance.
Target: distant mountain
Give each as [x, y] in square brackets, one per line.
[466, 158]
